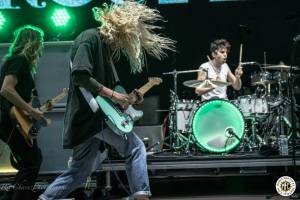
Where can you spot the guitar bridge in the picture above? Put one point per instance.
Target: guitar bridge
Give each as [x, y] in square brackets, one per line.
[125, 123]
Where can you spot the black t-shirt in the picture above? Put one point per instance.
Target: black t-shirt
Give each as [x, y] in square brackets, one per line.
[20, 67]
[90, 55]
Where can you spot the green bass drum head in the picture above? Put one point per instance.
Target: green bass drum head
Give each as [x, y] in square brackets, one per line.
[218, 126]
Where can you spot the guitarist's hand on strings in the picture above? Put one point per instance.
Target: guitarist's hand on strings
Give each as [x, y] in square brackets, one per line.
[136, 96]
[49, 104]
[122, 99]
[36, 114]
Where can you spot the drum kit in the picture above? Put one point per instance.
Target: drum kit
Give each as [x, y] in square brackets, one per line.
[225, 126]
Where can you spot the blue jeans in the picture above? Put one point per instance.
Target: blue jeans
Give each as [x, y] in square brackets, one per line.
[86, 158]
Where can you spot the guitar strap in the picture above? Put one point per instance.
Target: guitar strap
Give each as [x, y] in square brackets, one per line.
[88, 96]
[113, 67]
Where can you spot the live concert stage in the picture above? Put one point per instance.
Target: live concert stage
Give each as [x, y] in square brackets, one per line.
[241, 146]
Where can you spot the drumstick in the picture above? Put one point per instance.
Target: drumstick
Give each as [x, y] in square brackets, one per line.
[240, 57]
[212, 64]
[210, 60]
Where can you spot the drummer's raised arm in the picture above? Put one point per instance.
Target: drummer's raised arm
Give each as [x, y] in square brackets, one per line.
[234, 80]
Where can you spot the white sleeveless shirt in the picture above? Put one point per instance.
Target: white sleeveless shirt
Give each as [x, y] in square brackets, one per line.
[219, 92]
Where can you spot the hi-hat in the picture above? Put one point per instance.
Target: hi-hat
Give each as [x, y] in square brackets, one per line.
[196, 83]
[264, 82]
[280, 67]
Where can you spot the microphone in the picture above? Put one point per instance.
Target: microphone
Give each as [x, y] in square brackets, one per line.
[230, 132]
[249, 63]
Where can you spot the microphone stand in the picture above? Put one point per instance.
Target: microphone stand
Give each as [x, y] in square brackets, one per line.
[293, 119]
[291, 82]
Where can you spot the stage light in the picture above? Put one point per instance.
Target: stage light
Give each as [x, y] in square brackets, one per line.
[60, 17]
[2, 20]
[172, 1]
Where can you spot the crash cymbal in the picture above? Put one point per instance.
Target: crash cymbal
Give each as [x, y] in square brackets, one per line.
[280, 67]
[196, 83]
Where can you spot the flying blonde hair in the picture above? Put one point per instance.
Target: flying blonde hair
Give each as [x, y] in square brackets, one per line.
[128, 28]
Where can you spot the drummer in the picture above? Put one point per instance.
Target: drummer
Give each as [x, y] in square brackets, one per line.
[217, 69]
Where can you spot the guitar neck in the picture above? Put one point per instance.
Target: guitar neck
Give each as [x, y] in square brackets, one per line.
[59, 97]
[146, 87]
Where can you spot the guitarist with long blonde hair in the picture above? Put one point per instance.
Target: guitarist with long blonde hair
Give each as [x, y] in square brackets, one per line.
[17, 86]
[127, 29]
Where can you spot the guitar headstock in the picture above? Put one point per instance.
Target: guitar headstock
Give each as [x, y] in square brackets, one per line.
[61, 95]
[65, 91]
[155, 80]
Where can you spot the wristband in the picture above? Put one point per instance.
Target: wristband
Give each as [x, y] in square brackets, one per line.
[112, 94]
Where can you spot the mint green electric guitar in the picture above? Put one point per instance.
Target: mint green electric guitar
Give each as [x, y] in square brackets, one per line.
[121, 121]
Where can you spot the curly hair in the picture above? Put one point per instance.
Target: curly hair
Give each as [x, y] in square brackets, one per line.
[219, 44]
[28, 41]
[128, 28]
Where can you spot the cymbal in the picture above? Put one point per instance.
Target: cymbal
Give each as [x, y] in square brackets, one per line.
[280, 67]
[264, 82]
[196, 83]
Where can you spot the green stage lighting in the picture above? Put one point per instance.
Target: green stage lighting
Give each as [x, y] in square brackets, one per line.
[60, 17]
[2, 21]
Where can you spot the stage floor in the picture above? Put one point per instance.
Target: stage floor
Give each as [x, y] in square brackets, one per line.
[196, 160]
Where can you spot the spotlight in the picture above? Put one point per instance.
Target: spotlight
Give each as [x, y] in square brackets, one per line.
[60, 17]
[2, 20]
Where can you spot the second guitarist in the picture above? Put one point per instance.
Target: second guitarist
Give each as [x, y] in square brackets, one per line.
[16, 82]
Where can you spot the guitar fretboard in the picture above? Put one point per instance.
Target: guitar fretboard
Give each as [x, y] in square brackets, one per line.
[59, 97]
[146, 87]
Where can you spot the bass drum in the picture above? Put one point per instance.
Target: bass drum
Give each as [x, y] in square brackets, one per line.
[218, 126]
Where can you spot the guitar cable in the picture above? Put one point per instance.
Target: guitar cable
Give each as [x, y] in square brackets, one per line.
[10, 135]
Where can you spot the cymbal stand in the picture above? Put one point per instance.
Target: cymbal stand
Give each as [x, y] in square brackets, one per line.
[254, 140]
[173, 110]
[177, 138]
[291, 82]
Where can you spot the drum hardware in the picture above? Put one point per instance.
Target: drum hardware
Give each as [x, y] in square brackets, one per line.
[254, 139]
[277, 122]
[177, 140]
[261, 91]
[262, 78]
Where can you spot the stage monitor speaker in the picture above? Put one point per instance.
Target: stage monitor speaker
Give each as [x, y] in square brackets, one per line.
[152, 136]
[5, 166]
[55, 158]
[149, 106]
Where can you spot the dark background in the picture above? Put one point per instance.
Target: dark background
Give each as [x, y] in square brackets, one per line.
[261, 25]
